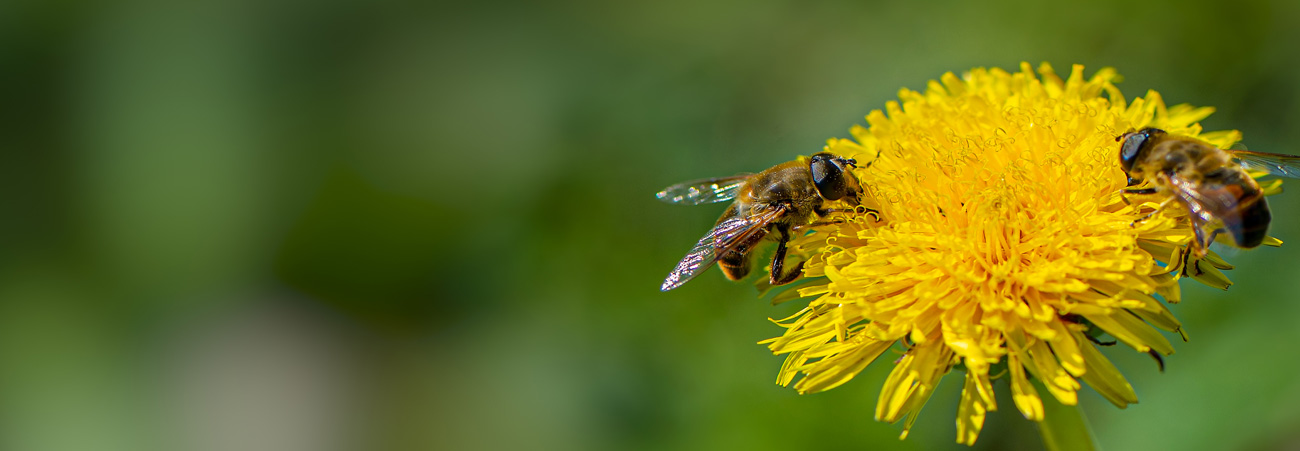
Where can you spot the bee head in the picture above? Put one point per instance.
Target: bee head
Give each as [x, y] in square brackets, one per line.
[1135, 146]
[831, 176]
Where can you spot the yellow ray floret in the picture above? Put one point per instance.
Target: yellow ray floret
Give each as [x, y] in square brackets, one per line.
[999, 239]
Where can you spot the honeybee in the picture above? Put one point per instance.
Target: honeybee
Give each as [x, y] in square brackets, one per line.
[768, 205]
[1211, 183]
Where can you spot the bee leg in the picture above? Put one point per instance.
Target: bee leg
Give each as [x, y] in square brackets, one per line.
[827, 211]
[1203, 238]
[1153, 213]
[823, 212]
[778, 261]
[1159, 360]
[1191, 259]
[1135, 191]
[800, 229]
[1099, 342]
[1183, 259]
[1200, 246]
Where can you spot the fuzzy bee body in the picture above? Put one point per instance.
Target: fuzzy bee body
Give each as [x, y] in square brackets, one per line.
[766, 206]
[1211, 183]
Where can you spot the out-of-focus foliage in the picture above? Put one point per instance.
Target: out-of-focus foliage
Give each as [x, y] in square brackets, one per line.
[293, 225]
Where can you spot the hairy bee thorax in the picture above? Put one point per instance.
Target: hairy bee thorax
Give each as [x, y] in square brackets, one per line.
[769, 205]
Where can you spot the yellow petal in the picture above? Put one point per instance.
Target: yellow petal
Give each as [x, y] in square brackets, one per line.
[1023, 392]
[1104, 378]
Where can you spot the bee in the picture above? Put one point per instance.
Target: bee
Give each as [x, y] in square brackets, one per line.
[770, 205]
[1211, 183]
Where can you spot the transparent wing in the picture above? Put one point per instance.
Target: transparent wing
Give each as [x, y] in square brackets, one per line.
[1206, 204]
[1272, 163]
[1210, 207]
[723, 238]
[705, 191]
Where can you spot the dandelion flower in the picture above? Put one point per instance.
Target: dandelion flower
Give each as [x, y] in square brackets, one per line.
[1000, 246]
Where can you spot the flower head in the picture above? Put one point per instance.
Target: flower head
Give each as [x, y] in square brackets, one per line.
[1000, 242]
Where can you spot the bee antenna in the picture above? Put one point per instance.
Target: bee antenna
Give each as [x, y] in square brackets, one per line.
[873, 160]
[1129, 132]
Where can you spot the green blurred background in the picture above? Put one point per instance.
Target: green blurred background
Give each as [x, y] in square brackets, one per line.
[344, 224]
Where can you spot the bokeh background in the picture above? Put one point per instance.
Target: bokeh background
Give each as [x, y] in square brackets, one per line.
[345, 224]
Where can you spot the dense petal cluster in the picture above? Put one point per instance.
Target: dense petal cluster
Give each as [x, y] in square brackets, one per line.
[999, 237]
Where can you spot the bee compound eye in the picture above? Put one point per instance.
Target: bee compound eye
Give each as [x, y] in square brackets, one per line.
[828, 177]
[1132, 148]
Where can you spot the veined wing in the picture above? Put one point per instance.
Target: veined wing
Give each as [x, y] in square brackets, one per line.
[704, 191]
[1272, 163]
[1206, 204]
[722, 239]
[1209, 204]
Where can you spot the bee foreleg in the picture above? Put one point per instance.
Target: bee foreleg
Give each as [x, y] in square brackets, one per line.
[778, 261]
[1152, 213]
[801, 229]
[1136, 191]
[824, 212]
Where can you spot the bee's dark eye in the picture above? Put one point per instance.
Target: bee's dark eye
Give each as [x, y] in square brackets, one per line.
[828, 176]
[1135, 144]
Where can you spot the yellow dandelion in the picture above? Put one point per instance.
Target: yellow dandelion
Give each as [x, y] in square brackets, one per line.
[1002, 238]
